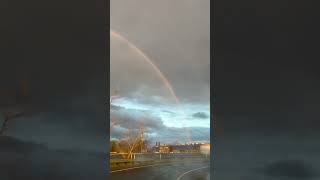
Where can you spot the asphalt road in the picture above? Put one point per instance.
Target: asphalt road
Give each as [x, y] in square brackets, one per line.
[178, 171]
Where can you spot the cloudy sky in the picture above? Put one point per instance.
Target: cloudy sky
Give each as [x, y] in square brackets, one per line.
[175, 35]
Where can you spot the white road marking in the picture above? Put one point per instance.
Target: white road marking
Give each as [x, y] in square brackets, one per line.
[190, 172]
[127, 169]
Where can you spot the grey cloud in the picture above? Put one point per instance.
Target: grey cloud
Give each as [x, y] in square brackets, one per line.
[200, 115]
[176, 35]
[114, 107]
[169, 112]
[125, 119]
[130, 119]
[135, 79]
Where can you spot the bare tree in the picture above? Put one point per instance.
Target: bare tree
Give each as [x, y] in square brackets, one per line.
[135, 141]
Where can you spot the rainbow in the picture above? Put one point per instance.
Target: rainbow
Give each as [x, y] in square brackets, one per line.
[114, 34]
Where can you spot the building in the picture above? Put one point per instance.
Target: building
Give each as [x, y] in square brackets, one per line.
[161, 148]
[185, 148]
[178, 148]
[164, 148]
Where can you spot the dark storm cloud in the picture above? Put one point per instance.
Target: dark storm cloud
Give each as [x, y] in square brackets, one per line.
[200, 115]
[131, 118]
[154, 128]
[175, 34]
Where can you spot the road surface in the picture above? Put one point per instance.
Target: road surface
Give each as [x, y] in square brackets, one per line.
[177, 171]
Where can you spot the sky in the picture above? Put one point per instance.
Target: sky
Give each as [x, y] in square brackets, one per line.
[175, 35]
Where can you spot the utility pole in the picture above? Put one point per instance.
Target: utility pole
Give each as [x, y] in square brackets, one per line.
[112, 97]
[142, 145]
